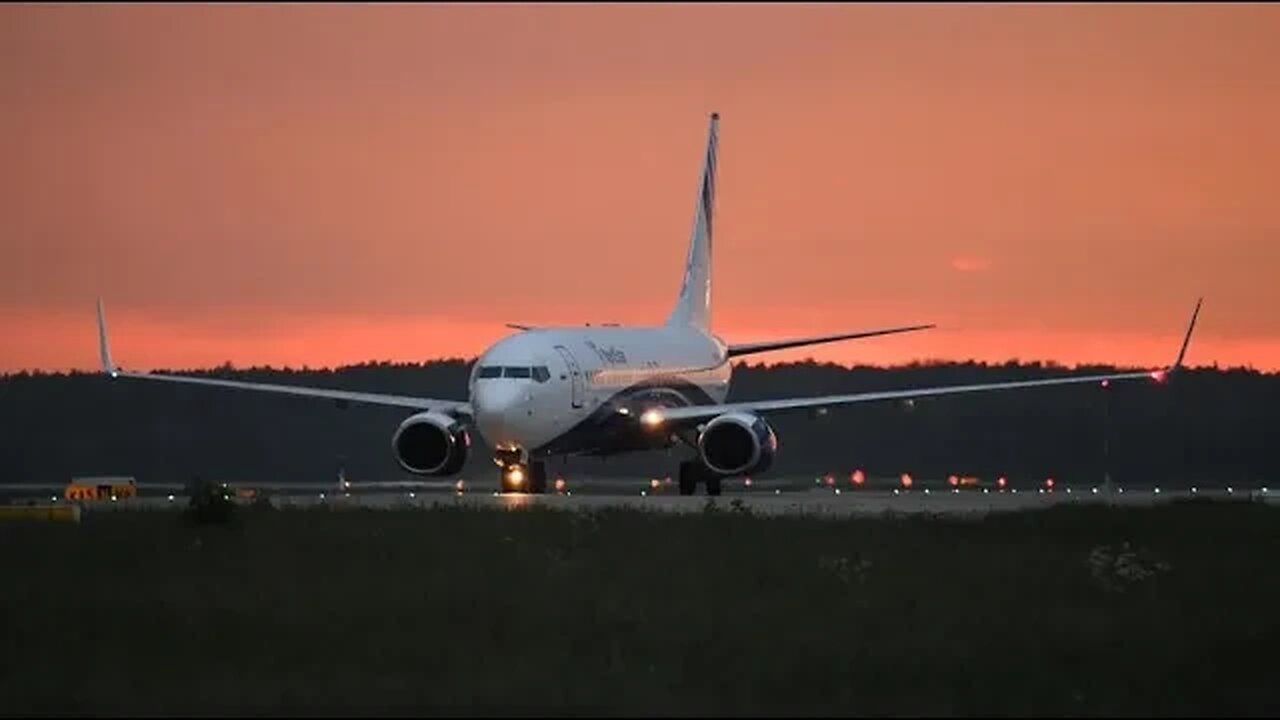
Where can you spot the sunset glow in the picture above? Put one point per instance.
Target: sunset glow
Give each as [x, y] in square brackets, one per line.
[331, 184]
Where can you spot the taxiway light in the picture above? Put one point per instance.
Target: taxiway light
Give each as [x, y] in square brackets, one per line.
[837, 491]
[412, 495]
[747, 482]
[170, 498]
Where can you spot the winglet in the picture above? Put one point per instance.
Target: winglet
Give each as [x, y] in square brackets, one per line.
[104, 349]
[1177, 365]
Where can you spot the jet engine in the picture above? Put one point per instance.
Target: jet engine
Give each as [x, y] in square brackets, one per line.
[431, 443]
[737, 444]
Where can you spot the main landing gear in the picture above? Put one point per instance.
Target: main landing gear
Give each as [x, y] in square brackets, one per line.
[692, 472]
[525, 477]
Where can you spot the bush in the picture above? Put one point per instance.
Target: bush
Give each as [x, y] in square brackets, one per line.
[210, 502]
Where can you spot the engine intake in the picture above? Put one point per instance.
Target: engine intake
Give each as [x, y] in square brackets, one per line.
[737, 444]
[431, 443]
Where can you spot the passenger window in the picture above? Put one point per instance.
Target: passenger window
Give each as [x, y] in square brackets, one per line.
[490, 371]
[541, 374]
[515, 372]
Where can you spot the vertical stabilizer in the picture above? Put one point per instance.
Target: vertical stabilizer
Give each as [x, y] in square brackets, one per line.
[693, 307]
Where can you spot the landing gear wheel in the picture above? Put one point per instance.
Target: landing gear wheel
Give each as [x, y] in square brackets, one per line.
[713, 484]
[689, 474]
[508, 479]
[537, 477]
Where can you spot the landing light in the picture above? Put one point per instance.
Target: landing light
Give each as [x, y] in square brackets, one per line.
[652, 418]
[516, 475]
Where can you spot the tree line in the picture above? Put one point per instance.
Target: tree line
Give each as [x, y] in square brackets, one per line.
[1203, 426]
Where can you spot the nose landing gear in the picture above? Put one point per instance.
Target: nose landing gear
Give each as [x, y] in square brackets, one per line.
[528, 477]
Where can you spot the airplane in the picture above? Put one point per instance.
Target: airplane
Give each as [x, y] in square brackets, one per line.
[606, 390]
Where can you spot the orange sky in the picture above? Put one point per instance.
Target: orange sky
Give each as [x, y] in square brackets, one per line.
[325, 184]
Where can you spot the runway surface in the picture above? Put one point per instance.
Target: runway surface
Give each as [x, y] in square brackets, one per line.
[821, 501]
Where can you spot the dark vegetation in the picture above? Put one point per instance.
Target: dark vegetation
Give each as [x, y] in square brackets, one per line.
[1206, 426]
[1071, 611]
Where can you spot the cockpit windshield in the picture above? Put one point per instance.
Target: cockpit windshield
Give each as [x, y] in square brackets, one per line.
[539, 373]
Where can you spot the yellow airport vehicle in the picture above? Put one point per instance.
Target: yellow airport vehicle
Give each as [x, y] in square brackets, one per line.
[101, 488]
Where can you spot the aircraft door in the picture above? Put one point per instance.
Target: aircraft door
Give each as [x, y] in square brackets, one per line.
[575, 374]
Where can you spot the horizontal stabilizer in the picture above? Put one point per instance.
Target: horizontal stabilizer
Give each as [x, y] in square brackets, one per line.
[758, 347]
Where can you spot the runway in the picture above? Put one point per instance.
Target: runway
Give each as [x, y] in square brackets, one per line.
[818, 502]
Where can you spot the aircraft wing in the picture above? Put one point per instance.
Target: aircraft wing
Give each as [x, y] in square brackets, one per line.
[452, 407]
[666, 417]
[757, 347]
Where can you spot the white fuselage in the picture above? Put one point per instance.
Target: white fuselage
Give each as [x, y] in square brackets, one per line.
[558, 387]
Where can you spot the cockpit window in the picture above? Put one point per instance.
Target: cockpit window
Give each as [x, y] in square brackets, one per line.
[515, 372]
[541, 373]
[490, 371]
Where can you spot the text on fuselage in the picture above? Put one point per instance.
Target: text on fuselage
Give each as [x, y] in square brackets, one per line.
[610, 355]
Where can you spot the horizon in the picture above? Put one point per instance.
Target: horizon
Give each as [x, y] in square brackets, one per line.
[1017, 363]
[294, 184]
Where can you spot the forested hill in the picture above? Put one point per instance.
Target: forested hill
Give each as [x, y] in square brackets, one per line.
[1205, 426]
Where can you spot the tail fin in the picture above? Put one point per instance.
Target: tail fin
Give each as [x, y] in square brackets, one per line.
[693, 306]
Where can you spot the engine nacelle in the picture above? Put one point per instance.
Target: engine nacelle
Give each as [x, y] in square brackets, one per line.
[737, 443]
[431, 443]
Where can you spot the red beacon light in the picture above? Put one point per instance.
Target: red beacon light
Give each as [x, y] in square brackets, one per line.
[1001, 482]
[906, 480]
[953, 481]
[857, 478]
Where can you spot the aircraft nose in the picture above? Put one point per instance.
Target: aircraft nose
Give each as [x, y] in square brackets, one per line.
[496, 403]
